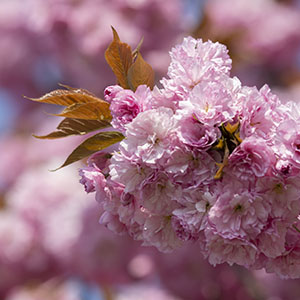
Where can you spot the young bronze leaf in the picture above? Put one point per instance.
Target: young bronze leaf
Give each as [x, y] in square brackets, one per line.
[77, 90]
[136, 51]
[119, 57]
[140, 73]
[93, 144]
[69, 127]
[66, 97]
[98, 110]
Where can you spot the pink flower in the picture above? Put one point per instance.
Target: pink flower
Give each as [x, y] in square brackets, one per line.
[252, 157]
[124, 108]
[113, 223]
[195, 169]
[110, 92]
[271, 242]
[195, 134]
[188, 222]
[158, 232]
[239, 215]
[108, 194]
[256, 114]
[150, 136]
[283, 196]
[230, 250]
[287, 265]
[195, 61]
[288, 135]
[158, 194]
[163, 97]
[212, 103]
[128, 172]
[92, 175]
[285, 168]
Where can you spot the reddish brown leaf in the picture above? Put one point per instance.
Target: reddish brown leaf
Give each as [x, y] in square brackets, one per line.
[69, 127]
[67, 97]
[140, 73]
[98, 110]
[136, 51]
[93, 144]
[119, 57]
[77, 90]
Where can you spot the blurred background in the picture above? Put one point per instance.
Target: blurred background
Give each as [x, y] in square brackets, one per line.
[51, 245]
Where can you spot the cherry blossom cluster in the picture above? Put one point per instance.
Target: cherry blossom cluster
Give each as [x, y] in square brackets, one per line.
[204, 159]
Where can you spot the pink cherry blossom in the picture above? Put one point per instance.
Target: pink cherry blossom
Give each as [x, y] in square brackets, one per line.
[150, 134]
[212, 103]
[195, 61]
[252, 156]
[230, 250]
[195, 134]
[288, 132]
[204, 160]
[126, 105]
[287, 264]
